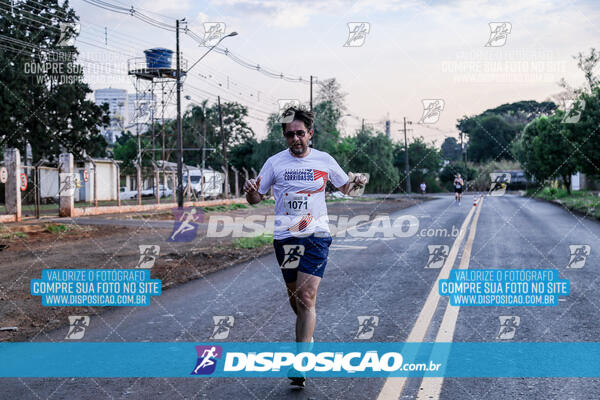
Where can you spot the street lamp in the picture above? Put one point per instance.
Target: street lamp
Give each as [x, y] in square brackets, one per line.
[209, 50]
[179, 125]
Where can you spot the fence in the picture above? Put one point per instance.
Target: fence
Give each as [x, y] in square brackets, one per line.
[97, 186]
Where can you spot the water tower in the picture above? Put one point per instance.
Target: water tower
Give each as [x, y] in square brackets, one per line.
[154, 78]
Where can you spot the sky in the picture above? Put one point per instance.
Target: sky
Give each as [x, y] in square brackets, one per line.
[413, 52]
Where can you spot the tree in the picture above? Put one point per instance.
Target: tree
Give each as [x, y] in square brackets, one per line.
[490, 137]
[584, 135]
[374, 154]
[545, 150]
[272, 144]
[42, 93]
[448, 173]
[587, 64]
[491, 132]
[326, 135]
[329, 90]
[202, 121]
[424, 161]
[451, 149]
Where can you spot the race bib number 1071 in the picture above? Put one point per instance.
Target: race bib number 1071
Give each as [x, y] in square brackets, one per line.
[296, 204]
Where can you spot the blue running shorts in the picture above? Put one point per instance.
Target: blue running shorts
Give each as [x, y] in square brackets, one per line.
[305, 254]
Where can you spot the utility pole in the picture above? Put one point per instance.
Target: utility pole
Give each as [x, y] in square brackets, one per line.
[226, 186]
[204, 141]
[179, 128]
[463, 151]
[311, 94]
[406, 169]
[363, 126]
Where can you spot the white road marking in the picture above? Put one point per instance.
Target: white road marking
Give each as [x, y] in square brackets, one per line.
[346, 247]
[393, 387]
[432, 387]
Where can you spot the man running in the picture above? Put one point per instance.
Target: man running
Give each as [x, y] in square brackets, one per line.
[299, 176]
[458, 188]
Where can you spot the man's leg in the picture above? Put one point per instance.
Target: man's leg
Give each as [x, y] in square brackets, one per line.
[306, 297]
[291, 291]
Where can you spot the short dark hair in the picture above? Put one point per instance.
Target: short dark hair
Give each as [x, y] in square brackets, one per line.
[298, 114]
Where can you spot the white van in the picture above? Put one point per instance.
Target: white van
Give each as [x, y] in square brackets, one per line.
[213, 182]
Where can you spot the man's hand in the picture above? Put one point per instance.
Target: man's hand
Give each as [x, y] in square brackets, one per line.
[251, 188]
[359, 180]
[354, 181]
[252, 185]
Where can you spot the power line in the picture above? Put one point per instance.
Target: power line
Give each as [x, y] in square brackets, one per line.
[159, 24]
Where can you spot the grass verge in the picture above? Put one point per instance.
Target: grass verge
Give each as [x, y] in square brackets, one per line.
[253, 242]
[579, 200]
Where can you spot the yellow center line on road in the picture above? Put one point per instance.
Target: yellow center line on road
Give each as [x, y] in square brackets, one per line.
[393, 387]
[431, 388]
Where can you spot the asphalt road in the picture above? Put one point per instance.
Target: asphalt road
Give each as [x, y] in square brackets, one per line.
[383, 278]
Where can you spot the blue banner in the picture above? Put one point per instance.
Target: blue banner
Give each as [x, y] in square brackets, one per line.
[95, 287]
[234, 359]
[504, 287]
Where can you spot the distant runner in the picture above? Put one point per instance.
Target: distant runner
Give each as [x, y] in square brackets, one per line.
[458, 188]
[423, 187]
[299, 176]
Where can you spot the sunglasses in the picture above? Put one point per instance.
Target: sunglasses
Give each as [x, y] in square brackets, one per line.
[290, 134]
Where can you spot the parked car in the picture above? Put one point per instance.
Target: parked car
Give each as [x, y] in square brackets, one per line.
[163, 190]
[126, 194]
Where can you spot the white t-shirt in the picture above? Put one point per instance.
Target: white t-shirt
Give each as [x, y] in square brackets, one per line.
[299, 190]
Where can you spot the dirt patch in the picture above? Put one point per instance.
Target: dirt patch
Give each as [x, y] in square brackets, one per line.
[33, 247]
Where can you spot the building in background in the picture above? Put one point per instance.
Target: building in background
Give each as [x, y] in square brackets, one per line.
[117, 106]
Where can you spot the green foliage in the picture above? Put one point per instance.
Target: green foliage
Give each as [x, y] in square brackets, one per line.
[451, 150]
[491, 133]
[253, 242]
[272, 144]
[326, 136]
[374, 154]
[424, 161]
[544, 149]
[584, 136]
[223, 208]
[57, 228]
[49, 108]
[579, 200]
[449, 171]
[490, 137]
[200, 127]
